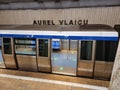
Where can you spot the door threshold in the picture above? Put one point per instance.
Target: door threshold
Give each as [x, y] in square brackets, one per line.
[2, 66]
[64, 73]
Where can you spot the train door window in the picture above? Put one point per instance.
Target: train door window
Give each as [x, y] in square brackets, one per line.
[65, 44]
[43, 47]
[73, 44]
[86, 50]
[56, 44]
[106, 50]
[7, 45]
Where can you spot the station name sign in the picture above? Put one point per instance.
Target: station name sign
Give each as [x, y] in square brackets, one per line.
[60, 22]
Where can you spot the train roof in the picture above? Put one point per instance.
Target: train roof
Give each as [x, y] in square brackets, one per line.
[89, 27]
[87, 32]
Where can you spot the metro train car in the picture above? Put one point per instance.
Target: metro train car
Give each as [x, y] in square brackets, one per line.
[87, 51]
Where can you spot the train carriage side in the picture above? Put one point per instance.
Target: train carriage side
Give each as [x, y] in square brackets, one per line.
[86, 52]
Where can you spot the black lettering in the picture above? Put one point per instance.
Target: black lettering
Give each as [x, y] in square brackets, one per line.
[79, 22]
[61, 22]
[48, 22]
[75, 22]
[34, 22]
[85, 22]
[39, 22]
[71, 22]
[52, 22]
[44, 22]
[65, 22]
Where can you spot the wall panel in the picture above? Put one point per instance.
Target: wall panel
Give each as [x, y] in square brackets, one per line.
[99, 15]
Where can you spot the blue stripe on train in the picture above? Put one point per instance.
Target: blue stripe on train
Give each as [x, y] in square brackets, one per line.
[60, 37]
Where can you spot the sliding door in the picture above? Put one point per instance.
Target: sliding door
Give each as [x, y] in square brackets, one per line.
[64, 59]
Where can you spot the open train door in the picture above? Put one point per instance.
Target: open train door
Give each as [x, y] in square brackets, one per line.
[64, 58]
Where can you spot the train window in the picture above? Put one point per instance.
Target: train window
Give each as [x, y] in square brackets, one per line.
[7, 46]
[25, 46]
[86, 50]
[43, 47]
[106, 50]
[25, 41]
[73, 44]
[56, 44]
[25, 49]
[65, 44]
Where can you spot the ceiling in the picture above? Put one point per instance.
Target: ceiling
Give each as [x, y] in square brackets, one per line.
[54, 4]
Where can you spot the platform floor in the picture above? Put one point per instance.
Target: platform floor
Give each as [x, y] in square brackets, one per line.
[22, 80]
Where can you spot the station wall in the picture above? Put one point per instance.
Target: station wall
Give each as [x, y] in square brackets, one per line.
[98, 15]
[115, 79]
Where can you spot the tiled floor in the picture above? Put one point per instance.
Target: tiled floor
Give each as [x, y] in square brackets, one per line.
[21, 80]
[15, 84]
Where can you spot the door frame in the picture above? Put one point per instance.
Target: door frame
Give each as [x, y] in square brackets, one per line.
[87, 61]
[68, 51]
